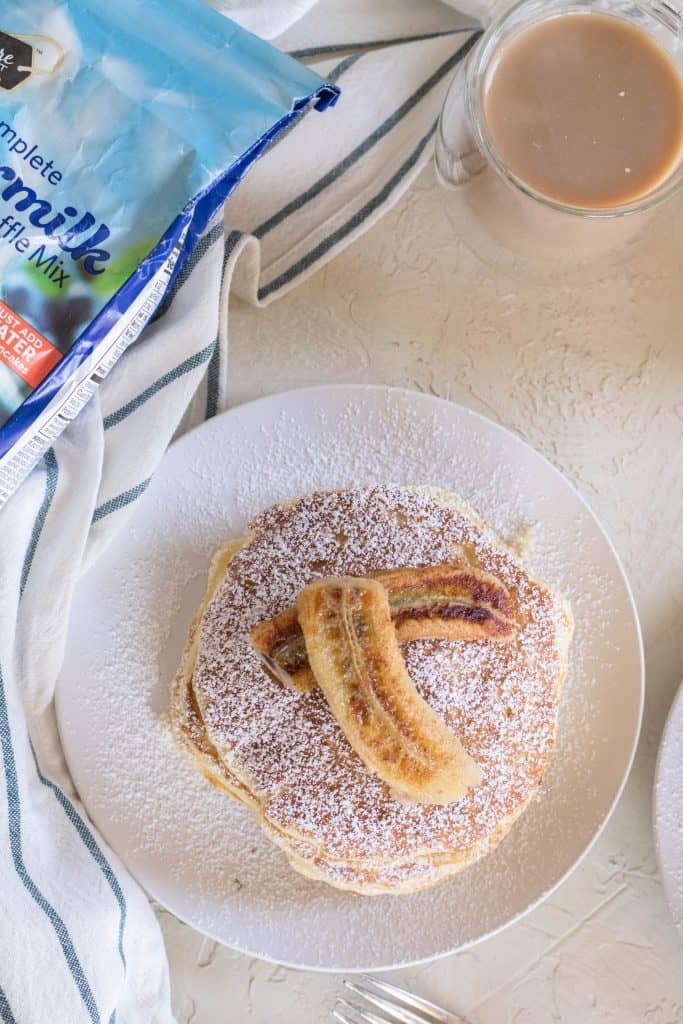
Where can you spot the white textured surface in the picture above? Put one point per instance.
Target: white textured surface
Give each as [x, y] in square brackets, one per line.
[590, 373]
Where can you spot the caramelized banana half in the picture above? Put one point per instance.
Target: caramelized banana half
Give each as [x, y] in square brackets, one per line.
[444, 601]
[355, 657]
[281, 640]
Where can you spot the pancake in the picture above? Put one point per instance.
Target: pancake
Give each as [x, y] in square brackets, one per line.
[282, 753]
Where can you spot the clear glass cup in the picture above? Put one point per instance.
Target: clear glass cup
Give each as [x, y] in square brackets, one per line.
[500, 216]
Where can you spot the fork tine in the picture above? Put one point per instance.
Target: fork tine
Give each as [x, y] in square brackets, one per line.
[338, 1015]
[430, 1011]
[359, 1014]
[393, 1011]
[342, 1018]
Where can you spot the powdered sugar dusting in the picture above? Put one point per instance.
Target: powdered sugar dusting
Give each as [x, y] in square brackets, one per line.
[204, 856]
[500, 699]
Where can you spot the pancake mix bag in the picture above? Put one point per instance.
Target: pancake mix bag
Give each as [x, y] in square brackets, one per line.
[124, 126]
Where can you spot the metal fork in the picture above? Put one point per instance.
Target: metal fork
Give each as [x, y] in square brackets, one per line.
[390, 1005]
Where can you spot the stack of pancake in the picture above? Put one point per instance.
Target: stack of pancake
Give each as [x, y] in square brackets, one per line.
[376, 676]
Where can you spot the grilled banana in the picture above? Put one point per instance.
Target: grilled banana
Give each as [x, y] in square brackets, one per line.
[354, 654]
[446, 602]
[281, 640]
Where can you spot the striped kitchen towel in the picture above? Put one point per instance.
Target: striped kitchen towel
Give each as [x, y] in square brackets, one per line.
[78, 940]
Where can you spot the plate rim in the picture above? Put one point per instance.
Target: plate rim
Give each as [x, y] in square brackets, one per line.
[675, 709]
[310, 391]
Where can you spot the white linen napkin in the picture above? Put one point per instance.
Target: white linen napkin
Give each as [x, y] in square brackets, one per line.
[79, 942]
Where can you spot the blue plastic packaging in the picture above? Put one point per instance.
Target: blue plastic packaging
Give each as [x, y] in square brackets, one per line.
[124, 126]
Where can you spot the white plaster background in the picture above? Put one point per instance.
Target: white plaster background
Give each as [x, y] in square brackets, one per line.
[591, 373]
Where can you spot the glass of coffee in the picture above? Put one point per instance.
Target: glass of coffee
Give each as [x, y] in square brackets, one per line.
[565, 124]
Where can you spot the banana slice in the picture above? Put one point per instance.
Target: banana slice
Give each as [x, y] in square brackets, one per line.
[355, 658]
[446, 602]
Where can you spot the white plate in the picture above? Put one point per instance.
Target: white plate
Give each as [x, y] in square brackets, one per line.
[191, 847]
[669, 809]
